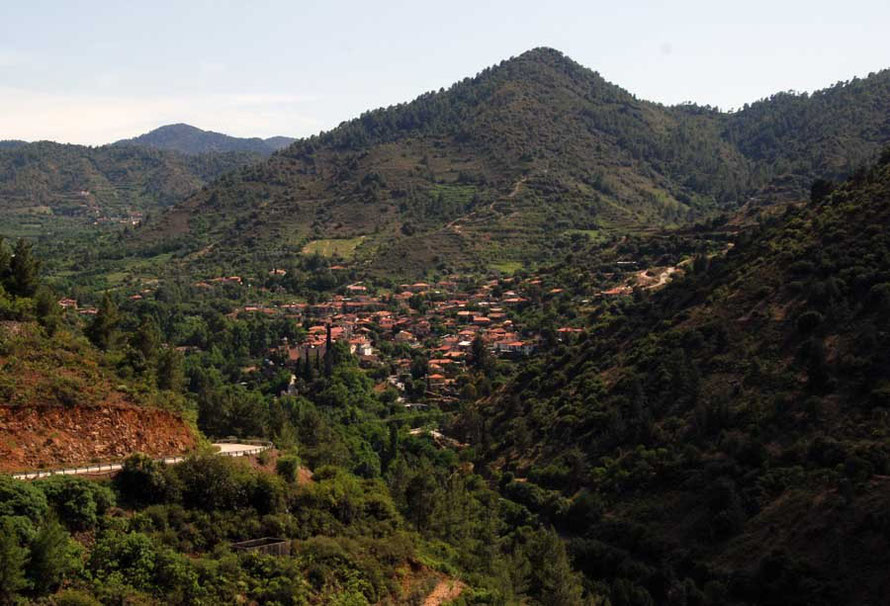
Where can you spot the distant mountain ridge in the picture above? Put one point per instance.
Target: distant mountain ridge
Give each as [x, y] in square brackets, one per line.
[48, 187]
[188, 139]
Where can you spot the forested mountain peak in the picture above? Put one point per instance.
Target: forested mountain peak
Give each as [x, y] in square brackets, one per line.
[499, 167]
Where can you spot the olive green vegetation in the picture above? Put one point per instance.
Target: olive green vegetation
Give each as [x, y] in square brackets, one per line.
[723, 440]
[343, 248]
[491, 169]
[385, 515]
[61, 359]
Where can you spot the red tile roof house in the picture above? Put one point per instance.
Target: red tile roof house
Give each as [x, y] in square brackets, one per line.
[567, 332]
[436, 380]
[444, 365]
[403, 336]
[617, 291]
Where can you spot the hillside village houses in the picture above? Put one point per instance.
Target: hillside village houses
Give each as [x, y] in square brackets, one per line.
[438, 321]
[444, 327]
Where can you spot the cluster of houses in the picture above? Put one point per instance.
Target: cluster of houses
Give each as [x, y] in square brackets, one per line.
[440, 321]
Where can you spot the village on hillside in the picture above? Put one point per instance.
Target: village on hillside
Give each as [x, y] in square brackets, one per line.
[424, 336]
[439, 323]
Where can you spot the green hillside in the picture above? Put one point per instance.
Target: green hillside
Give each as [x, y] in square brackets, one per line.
[726, 438]
[50, 188]
[491, 169]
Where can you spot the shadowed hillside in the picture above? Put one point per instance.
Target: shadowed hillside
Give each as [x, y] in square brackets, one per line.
[727, 434]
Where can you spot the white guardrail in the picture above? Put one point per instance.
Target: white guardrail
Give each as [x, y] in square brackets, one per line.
[230, 447]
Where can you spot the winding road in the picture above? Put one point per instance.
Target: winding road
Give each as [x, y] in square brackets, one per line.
[226, 449]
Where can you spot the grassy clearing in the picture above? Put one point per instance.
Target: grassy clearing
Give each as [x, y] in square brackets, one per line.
[507, 267]
[342, 247]
[461, 194]
[594, 235]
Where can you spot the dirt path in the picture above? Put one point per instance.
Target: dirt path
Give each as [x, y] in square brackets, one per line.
[516, 187]
[663, 277]
[455, 223]
[444, 592]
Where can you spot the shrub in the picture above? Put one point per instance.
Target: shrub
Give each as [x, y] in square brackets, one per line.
[72, 597]
[132, 555]
[53, 556]
[144, 480]
[19, 498]
[287, 467]
[808, 321]
[211, 482]
[12, 562]
[78, 502]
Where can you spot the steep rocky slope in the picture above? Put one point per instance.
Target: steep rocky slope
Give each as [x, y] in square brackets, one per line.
[47, 437]
[59, 405]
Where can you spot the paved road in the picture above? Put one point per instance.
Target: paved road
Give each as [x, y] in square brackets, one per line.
[225, 449]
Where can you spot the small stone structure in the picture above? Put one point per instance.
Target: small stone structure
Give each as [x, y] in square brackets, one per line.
[267, 545]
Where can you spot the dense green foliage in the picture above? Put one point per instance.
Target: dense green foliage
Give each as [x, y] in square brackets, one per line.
[725, 439]
[701, 417]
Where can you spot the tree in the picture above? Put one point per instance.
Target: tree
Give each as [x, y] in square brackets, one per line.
[18, 498]
[421, 494]
[171, 369]
[144, 480]
[820, 190]
[47, 310]
[53, 556]
[78, 502]
[103, 330]
[553, 579]
[5, 259]
[480, 356]
[23, 270]
[146, 339]
[287, 467]
[13, 558]
[328, 354]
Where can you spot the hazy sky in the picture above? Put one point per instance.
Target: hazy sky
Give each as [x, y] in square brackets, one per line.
[94, 72]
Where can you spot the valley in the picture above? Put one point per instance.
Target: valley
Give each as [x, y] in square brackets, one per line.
[528, 339]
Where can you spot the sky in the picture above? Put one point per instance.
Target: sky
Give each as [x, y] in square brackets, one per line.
[93, 72]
